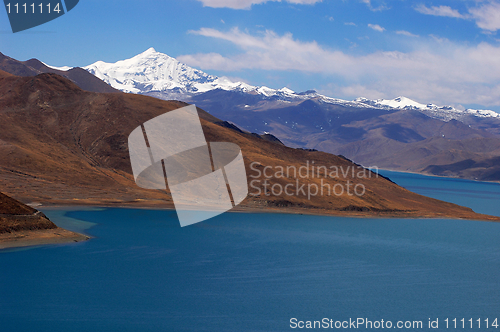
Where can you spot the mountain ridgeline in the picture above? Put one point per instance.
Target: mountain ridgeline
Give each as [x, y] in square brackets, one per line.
[63, 145]
[33, 67]
[398, 134]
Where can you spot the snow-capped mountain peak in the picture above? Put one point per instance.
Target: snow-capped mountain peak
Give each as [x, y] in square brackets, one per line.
[149, 50]
[150, 71]
[400, 102]
[439, 112]
[160, 75]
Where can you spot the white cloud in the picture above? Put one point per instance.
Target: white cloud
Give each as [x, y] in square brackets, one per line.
[354, 91]
[350, 23]
[246, 4]
[446, 11]
[406, 33]
[375, 8]
[438, 70]
[376, 27]
[487, 17]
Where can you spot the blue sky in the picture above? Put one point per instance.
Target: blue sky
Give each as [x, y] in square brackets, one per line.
[444, 52]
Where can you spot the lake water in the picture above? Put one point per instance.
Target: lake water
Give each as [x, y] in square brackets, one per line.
[254, 272]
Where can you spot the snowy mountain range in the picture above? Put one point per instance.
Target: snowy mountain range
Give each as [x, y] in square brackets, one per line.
[157, 74]
[438, 112]
[398, 134]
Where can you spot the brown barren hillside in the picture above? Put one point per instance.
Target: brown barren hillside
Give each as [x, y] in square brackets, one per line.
[63, 145]
[21, 225]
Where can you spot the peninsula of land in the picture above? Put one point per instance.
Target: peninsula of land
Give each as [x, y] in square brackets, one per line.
[22, 225]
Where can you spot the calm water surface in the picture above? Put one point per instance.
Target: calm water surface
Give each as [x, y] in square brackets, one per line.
[254, 272]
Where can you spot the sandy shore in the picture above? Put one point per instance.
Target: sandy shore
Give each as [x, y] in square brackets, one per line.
[39, 237]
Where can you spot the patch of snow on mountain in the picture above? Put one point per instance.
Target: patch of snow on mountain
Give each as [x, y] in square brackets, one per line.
[483, 113]
[400, 102]
[63, 68]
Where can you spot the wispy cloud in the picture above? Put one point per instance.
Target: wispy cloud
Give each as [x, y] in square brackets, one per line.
[445, 11]
[487, 17]
[350, 23]
[486, 14]
[375, 8]
[376, 27]
[246, 4]
[438, 70]
[406, 33]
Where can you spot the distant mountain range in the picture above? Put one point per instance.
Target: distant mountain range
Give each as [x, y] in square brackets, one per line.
[152, 72]
[63, 145]
[438, 112]
[398, 134]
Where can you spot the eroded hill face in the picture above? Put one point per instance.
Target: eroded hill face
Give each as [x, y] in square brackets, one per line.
[16, 216]
[10, 206]
[63, 145]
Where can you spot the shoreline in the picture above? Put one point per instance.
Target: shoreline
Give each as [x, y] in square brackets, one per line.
[40, 237]
[438, 176]
[62, 236]
[156, 205]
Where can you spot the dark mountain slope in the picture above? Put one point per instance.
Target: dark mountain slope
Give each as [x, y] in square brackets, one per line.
[21, 225]
[33, 67]
[15, 217]
[404, 140]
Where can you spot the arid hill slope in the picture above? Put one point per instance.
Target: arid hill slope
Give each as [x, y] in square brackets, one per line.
[21, 226]
[16, 216]
[63, 145]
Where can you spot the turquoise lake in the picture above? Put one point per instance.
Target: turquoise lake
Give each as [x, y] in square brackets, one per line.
[255, 272]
